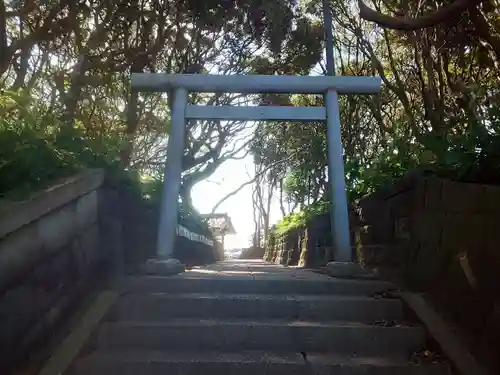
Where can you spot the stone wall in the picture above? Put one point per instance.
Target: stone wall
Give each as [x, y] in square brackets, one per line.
[137, 221]
[309, 247]
[49, 245]
[440, 237]
[430, 223]
[415, 228]
[55, 244]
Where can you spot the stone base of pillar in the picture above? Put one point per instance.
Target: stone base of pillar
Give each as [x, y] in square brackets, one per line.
[163, 267]
[349, 270]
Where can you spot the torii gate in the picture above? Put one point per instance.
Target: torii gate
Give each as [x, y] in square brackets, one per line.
[182, 84]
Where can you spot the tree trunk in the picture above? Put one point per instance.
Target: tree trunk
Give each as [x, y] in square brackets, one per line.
[4, 53]
[268, 212]
[77, 79]
[282, 205]
[23, 59]
[132, 124]
[187, 200]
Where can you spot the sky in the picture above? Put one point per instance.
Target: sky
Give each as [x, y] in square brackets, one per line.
[228, 177]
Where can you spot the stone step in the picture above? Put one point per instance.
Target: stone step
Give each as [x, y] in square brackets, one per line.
[160, 306]
[242, 285]
[147, 362]
[236, 335]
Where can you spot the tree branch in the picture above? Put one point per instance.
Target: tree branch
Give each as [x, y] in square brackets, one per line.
[443, 14]
[483, 30]
[236, 191]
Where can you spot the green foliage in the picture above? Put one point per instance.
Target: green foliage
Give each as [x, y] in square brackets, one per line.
[35, 152]
[438, 107]
[437, 110]
[301, 219]
[470, 156]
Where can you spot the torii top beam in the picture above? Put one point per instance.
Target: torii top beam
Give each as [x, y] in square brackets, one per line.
[154, 82]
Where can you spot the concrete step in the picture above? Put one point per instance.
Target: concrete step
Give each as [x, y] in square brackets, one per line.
[160, 306]
[144, 362]
[232, 335]
[267, 285]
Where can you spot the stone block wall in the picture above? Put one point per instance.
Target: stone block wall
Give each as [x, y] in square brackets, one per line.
[309, 247]
[54, 245]
[440, 237]
[416, 227]
[137, 222]
[429, 222]
[49, 246]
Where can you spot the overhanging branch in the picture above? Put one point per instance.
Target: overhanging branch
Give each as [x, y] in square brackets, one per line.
[257, 175]
[429, 20]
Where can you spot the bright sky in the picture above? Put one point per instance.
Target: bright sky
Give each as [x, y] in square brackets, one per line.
[228, 177]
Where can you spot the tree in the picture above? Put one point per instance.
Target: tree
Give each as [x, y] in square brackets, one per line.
[65, 70]
[436, 109]
[75, 58]
[264, 187]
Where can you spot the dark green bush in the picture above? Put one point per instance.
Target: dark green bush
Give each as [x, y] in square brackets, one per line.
[36, 150]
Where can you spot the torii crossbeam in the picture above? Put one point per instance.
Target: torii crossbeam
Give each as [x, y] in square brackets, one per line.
[182, 84]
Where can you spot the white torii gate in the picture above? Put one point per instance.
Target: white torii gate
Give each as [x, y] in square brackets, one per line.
[182, 84]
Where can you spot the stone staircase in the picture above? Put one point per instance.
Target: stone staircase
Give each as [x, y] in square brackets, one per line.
[257, 319]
